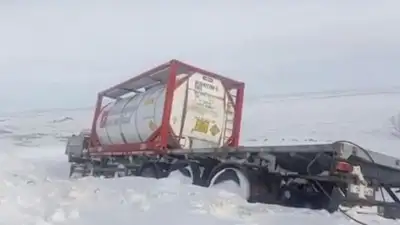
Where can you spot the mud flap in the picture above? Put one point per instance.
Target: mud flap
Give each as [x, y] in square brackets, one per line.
[389, 212]
[336, 199]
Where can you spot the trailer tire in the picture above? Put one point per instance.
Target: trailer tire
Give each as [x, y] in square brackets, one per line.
[120, 173]
[149, 170]
[71, 170]
[69, 157]
[232, 172]
[192, 170]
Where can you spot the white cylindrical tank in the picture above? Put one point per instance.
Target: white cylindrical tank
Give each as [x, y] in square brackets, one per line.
[201, 114]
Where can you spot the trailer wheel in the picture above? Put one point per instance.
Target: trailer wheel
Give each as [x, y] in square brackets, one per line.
[120, 173]
[236, 175]
[71, 170]
[69, 157]
[149, 170]
[191, 171]
[75, 172]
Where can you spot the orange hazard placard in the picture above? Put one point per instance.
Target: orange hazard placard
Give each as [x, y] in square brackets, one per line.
[201, 125]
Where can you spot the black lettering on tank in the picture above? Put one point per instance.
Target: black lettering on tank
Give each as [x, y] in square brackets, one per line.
[198, 85]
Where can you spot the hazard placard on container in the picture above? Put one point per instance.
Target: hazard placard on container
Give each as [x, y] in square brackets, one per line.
[201, 125]
[214, 130]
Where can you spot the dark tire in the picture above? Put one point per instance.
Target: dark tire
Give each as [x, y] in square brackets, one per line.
[235, 173]
[260, 185]
[119, 173]
[75, 173]
[335, 200]
[149, 170]
[192, 170]
[71, 170]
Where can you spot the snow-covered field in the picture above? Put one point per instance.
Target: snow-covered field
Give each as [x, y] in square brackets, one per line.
[35, 189]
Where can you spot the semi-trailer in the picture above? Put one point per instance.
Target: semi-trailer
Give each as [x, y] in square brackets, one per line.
[177, 117]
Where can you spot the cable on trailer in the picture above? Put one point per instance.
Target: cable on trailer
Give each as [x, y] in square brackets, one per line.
[344, 212]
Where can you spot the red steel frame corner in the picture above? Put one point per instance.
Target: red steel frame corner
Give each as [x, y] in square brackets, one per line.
[169, 96]
[94, 139]
[237, 122]
[152, 142]
[230, 84]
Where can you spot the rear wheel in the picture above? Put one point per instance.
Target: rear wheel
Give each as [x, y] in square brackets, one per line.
[231, 178]
[76, 171]
[149, 170]
[252, 184]
[191, 172]
[121, 171]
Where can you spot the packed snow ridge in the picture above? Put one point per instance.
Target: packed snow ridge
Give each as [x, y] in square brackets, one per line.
[35, 188]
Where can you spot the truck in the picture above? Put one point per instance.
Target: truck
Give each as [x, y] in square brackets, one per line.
[180, 118]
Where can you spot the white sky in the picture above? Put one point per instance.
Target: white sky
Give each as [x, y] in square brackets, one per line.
[61, 53]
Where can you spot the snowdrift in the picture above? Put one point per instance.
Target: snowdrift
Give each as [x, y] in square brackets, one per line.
[35, 188]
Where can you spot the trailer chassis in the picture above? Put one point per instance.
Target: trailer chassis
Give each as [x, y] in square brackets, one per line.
[320, 176]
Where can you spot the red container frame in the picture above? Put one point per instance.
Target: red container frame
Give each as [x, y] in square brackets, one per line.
[157, 143]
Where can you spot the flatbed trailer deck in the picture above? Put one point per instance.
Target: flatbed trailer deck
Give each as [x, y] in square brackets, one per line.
[383, 168]
[308, 162]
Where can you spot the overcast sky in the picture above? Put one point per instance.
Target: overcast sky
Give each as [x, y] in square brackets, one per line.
[61, 53]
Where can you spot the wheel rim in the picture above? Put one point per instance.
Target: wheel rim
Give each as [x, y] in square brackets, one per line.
[148, 172]
[232, 180]
[186, 174]
[120, 173]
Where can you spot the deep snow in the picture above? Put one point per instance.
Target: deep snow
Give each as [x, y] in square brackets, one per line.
[35, 188]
